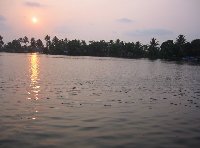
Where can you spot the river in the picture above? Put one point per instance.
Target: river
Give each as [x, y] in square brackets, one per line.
[62, 101]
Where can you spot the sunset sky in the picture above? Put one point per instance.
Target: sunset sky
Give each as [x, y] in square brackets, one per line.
[129, 20]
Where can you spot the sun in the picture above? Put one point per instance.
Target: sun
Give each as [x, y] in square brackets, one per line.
[34, 20]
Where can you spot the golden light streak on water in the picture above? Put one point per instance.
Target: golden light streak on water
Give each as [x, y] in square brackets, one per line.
[34, 77]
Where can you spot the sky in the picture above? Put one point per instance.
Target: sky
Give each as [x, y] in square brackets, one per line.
[127, 20]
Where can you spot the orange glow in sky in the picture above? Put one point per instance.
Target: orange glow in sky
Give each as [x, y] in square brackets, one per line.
[34, 20]
[84, 19]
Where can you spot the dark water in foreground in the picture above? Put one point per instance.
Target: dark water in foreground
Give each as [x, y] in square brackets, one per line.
[58, 101]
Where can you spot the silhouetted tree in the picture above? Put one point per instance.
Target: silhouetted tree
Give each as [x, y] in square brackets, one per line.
[168, 50]
[33, 43]
[195, 48]
[180, 45]
[25, 41]
[32, 47]
[116, 48]
[129, 50]
[20, 40]
[13, 46]
[98, 48]
[48, 43]
[56, 46]
[74, 47]
[145, 50]
[1, 43]
[153, 49]
[180, 40]
[39, 45]
[84, 48]
[138, 50]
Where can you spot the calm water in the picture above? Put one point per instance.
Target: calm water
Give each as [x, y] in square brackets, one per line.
[60, 101]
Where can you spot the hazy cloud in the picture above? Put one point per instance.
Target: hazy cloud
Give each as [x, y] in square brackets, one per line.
[4, 27]
[62, 29]
[33, 4]
[125, 20]
[2, 18]
[150, 32]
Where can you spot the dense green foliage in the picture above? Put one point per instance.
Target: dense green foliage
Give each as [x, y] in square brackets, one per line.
[167, 50]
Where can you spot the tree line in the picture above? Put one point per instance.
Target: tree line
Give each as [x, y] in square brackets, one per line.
[178, 49]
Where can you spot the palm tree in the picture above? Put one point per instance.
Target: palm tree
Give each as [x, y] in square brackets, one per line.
[39, 45]
[180, 43]
[153, 49]
[138, 49]
[33, 45]
[25, 41]
[48, 41]
[180, 40]
[1, 42]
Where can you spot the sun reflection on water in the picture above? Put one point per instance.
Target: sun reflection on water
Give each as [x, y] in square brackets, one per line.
[34, 77]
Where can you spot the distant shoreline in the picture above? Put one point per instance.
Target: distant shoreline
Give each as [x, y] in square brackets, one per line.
[184, 59]
[169, 50]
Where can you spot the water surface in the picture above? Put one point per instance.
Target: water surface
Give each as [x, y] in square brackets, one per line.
[61, 101]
